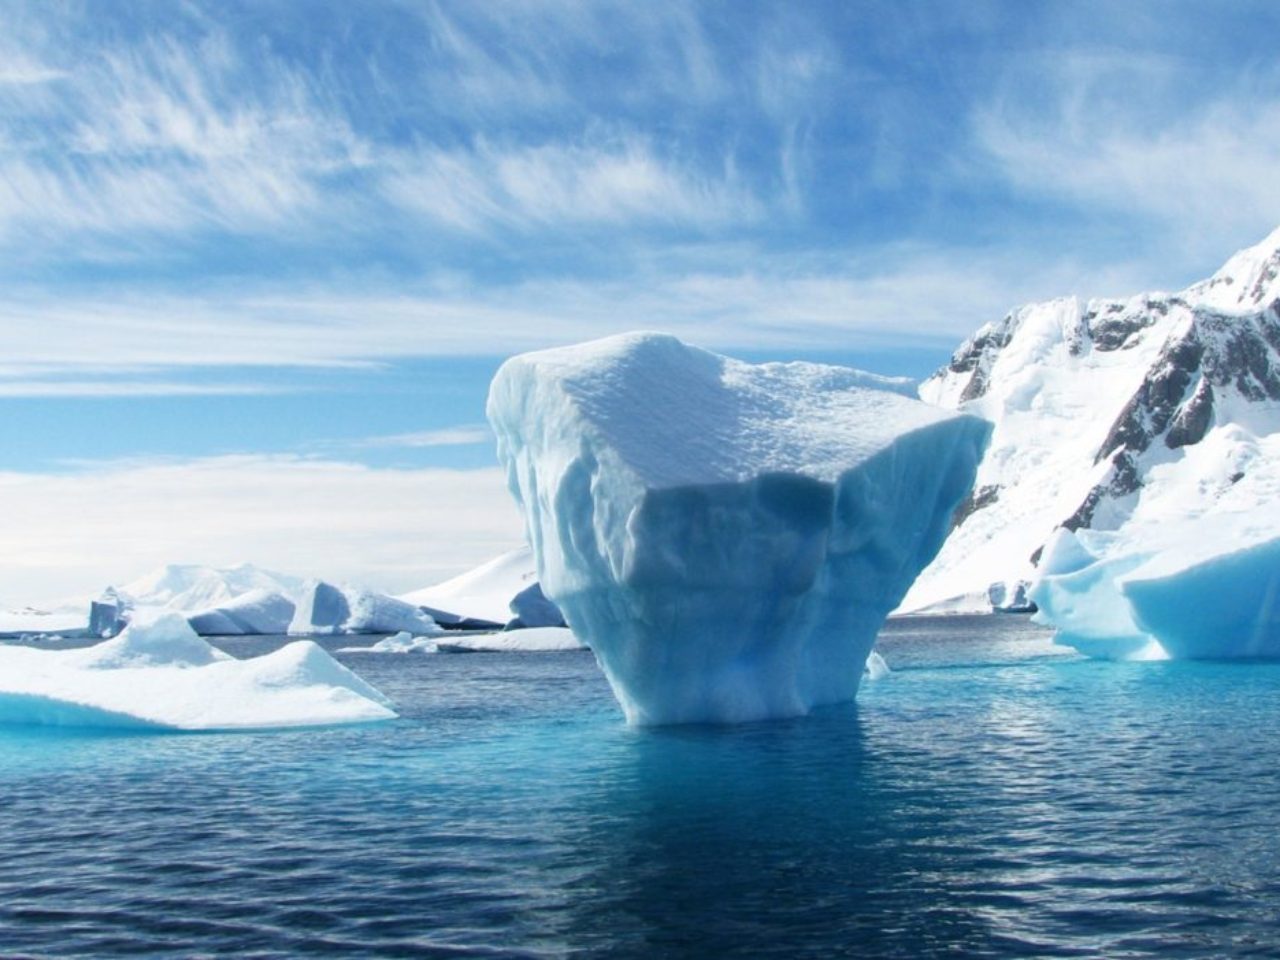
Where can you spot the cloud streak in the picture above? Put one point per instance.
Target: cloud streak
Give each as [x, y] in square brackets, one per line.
[461, 436]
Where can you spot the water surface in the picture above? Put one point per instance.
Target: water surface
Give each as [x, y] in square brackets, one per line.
[993, 797]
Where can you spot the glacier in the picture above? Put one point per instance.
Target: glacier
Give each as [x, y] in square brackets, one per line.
[159, 674]
[726, 537]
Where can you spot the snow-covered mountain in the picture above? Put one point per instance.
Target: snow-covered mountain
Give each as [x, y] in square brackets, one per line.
[1110, 413]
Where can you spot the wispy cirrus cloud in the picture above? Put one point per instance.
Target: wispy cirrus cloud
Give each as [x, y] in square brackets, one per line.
[919, 296]
[1110, 133]
[609, 183]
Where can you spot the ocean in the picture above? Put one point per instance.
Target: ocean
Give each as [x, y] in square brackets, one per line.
[994, 796]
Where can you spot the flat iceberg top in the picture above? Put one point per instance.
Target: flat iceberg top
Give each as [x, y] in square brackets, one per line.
[159, 674]
[677, 415]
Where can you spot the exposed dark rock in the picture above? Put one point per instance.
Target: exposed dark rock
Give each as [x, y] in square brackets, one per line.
[1113, 333]
[1152, 408]
[979, 499]
[1122, 479]
[977, 354]
[1193, 420]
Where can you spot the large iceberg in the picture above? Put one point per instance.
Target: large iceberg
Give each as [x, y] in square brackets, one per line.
[728, 538]
[159, 674]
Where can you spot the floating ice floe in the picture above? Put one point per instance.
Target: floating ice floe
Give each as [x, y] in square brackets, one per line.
[402, 642]
[728, 538]
[159, 674]
[530, 640]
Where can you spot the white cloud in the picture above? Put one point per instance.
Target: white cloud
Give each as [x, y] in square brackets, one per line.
[907, 295]
[461, 436]
[68, 534]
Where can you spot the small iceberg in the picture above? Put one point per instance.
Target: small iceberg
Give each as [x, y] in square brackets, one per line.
[529, 640]
[402, 642]
[159, 674]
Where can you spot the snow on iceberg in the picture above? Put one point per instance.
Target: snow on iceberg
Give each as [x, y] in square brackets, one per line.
[323, 608]
[728, 538]
[159, 674]
[255, 612]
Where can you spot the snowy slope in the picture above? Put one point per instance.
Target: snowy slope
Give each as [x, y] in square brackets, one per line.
[1109, 410]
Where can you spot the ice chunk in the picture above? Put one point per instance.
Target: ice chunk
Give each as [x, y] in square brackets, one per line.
[327, 609]
[255, 612]
[532, 609]
[322, 608]
[491, 594]
[1226, 606]
[727, 538]
[876, 668]
[159, 674]
[402, 642]
[530, 640]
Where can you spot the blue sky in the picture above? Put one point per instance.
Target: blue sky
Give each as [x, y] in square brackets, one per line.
[247, 245]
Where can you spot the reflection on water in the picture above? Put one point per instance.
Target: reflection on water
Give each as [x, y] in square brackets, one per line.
[992, 797]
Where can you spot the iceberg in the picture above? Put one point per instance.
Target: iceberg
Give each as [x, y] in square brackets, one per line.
[726, 537]
[402, 642]
[503, 591]
[532, 609]
[159, 674]
[326, 609]
[1224, 607]
[255, 612]
[1182, 578]
[530, 640]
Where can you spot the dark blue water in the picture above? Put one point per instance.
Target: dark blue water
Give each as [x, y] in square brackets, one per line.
[989, 799]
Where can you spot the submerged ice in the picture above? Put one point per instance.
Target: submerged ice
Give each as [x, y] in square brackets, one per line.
[158, 673]
[728, 538]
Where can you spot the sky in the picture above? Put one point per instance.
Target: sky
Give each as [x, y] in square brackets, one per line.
[259, 260]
